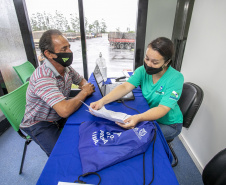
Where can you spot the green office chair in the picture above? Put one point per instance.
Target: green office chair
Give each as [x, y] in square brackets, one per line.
[13, 107]
[24, 71]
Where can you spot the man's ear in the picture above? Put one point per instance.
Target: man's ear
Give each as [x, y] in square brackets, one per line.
[48, 54]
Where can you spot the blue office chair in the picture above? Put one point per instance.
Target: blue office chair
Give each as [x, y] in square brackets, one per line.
[189, 103]
[214, 172]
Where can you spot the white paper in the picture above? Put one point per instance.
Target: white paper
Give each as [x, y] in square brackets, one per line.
[120, 81]
[108, 114]
[125, 72]
[113, 81]
[71, 183]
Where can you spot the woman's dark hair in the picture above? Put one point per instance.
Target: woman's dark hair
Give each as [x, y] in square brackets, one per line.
[45, 42]
[164, 46]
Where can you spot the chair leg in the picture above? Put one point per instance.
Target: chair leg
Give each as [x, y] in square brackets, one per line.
[174, 156]
[24, 153]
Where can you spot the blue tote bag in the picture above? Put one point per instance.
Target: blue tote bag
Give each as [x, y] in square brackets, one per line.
[103, 144]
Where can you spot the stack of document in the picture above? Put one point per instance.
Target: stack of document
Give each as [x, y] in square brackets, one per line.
[108, 114]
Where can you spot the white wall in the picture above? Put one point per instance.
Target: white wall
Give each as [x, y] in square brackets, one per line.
[204, 63]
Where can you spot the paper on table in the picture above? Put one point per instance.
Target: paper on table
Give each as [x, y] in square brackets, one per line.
[70, 183]
[114, 82]
[108, 114]
[116, 74]
[125, 72]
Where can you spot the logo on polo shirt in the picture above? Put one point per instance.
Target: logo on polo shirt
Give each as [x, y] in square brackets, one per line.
[174, 95]
[65, 59]
[160, 91]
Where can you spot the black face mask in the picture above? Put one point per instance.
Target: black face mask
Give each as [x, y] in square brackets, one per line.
[152, 70]
[64, 59]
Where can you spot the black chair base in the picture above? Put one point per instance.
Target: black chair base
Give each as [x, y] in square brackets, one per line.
[174, 154]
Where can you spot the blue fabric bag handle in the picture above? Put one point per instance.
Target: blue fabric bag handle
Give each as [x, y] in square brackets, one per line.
[103, 144]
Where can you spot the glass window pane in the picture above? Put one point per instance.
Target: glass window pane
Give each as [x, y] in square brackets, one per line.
[61, 15]
[110, 29]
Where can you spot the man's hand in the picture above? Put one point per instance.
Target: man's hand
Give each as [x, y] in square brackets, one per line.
[88, 88]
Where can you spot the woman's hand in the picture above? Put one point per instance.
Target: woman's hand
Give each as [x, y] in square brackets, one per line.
[130, 122]
[97, 104]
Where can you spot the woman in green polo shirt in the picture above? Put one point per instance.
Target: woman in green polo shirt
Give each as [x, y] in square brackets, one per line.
[161, 86]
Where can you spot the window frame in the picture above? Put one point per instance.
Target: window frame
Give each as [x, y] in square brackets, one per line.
[26, 32]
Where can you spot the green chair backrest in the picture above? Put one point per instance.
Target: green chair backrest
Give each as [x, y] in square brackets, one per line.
[24, 70]
[13, 105]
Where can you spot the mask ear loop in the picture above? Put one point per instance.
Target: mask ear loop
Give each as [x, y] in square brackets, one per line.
[48, 51]
[168, 61]
[53, 53]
